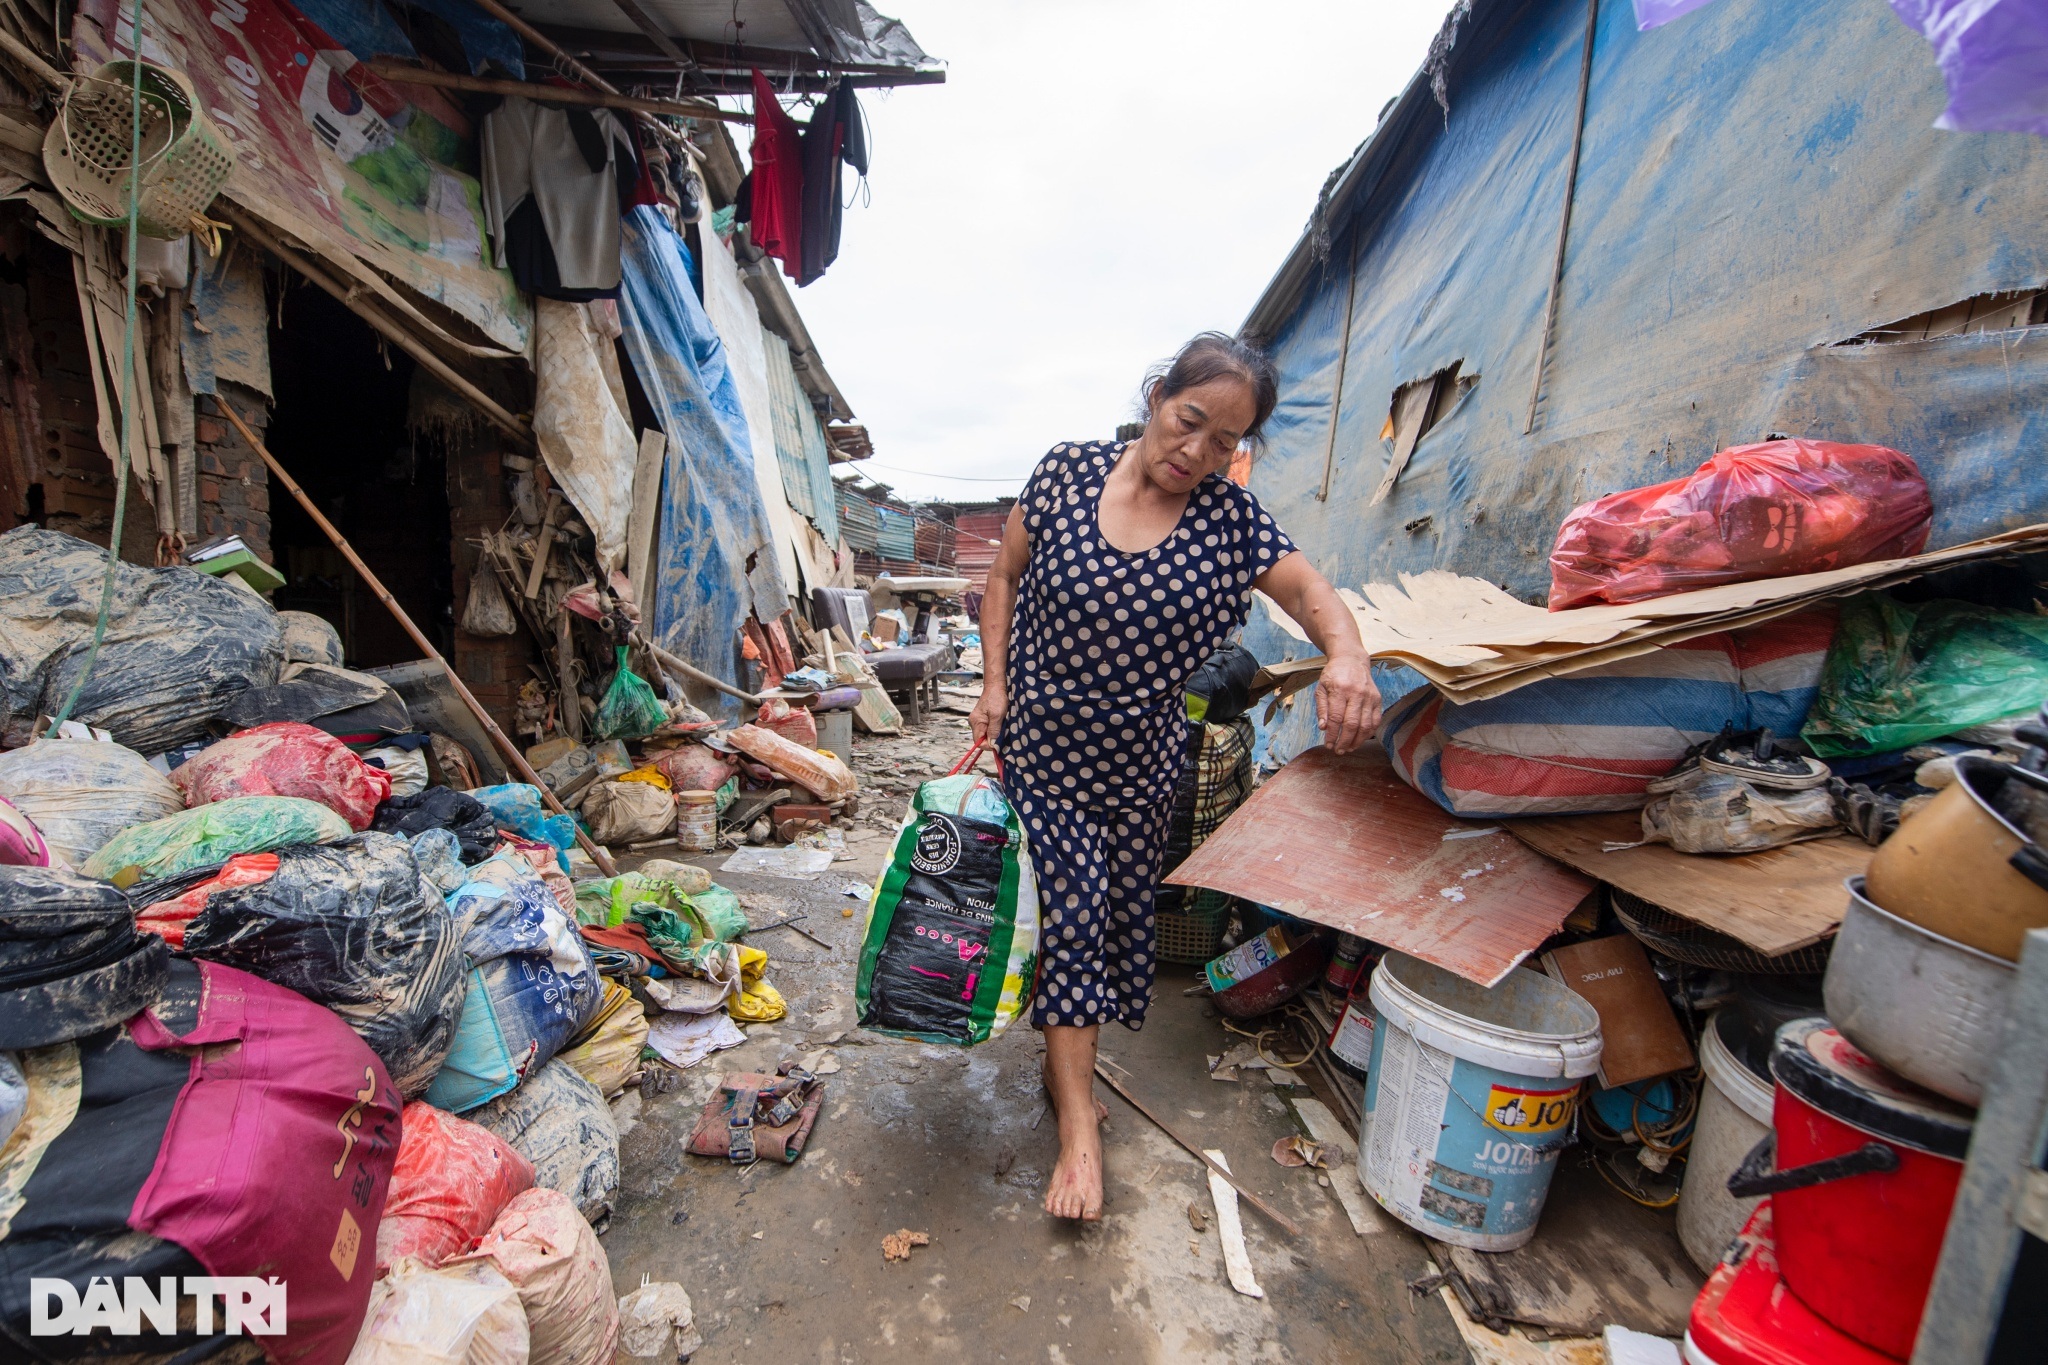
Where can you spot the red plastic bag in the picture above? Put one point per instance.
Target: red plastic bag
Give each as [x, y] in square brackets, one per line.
[168, 918]
[1759, 511]
[285, 758]
[794, 723]
[452, 1180]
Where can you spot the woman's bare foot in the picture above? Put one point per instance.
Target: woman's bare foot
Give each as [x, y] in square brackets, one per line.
[1076, 1189]
[1101, 1109]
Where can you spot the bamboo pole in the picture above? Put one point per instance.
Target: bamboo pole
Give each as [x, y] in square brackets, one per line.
[568, 63]
[690, 670]
[385, 327]
[403, 74]
[33, 60]
[383, 594]
[1292, 1228]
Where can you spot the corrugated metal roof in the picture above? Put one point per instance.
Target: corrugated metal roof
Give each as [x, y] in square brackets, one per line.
[800, 443]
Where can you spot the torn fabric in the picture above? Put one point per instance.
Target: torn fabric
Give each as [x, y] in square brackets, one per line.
[733, 312]
[227, 323]
[713, 523]
[581, 421]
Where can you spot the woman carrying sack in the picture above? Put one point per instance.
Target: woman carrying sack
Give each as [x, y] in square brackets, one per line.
[1123, 567]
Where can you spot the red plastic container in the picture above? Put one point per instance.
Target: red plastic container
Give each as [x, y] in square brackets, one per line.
[1745, 1317]
[1859, 1249]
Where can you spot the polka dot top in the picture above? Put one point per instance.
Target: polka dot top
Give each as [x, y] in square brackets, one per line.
[1104, 642]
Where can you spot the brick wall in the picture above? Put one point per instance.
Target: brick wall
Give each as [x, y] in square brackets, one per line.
[234, 484]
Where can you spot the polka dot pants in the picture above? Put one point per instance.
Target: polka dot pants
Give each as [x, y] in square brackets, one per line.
[1095, 871]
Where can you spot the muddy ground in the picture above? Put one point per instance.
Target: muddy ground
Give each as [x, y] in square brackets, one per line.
[785, 1264]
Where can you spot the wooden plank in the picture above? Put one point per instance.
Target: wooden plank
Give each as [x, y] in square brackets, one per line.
[1342, 841]
[1237, 1261]
[1773, 901]
[642, 517]
[1366, 1217]
[1598, 1258]
[1639, 1035]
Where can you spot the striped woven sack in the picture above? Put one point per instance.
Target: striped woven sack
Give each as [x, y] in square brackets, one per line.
[1591, 741]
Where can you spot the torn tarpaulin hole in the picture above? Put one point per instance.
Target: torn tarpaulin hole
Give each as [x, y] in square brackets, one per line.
[1438, 63]
[2003, 311]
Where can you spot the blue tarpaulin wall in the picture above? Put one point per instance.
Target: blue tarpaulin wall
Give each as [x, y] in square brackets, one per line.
[1758, 182]
[713, 523]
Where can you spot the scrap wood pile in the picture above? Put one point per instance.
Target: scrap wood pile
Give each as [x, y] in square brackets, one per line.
[231, 837]
[1752, 686]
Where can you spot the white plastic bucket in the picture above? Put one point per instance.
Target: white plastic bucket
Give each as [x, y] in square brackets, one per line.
[1735, 1113]
[1470, 1098]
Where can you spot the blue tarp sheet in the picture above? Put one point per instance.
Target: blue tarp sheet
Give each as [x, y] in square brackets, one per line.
[713, 523]
[1759, 182]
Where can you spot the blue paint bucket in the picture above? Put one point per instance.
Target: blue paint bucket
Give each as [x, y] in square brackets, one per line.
[1470, 1097]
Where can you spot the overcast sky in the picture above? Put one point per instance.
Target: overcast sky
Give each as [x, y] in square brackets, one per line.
[1096, 181]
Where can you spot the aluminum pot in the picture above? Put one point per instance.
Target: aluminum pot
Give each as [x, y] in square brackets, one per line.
[1960, 869]
[1928, 1007]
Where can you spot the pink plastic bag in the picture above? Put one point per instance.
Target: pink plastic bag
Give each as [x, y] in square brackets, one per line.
[451, 1181]
[21, 843]
[794, 723]
[1759, 511]
[285, 758]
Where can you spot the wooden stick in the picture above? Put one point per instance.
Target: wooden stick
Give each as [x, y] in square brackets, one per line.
[1564, 222]
[690, 670]
[1292, 1228]
[33, 60]
[571, 66]
[401, 74]
[376, 585]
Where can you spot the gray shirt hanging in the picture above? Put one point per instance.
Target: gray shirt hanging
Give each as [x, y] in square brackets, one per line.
[572, 163]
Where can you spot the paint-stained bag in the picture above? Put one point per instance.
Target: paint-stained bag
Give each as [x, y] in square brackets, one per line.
[950, 946]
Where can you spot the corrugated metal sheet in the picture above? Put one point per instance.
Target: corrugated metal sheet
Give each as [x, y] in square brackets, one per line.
[935, 542]
[974, 552]
[1748, 196]
[898, 535]
[800, 445]
[859, 522]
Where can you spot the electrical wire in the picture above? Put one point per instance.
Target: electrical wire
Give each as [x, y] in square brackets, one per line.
[123, 457]
[1259, 1039]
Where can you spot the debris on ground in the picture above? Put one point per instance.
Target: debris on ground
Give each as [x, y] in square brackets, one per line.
[1295, 1150]
[896, 1246]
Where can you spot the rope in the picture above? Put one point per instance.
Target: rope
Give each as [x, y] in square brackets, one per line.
[123, 457]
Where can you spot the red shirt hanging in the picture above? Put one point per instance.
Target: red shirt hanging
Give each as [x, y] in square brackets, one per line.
[777, 217]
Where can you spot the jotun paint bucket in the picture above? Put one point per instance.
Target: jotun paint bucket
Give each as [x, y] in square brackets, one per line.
[1470, 1097]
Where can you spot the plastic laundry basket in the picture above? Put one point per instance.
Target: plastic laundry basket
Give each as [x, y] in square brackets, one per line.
[1192, 931]
[184, 160]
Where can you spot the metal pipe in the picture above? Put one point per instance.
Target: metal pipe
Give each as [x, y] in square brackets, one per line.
[403, 74]
[690, 670]
[376, 585]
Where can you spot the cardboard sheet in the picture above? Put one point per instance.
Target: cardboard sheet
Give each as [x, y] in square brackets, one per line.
[1473, 640]
[1774, 901]
[1342, 841]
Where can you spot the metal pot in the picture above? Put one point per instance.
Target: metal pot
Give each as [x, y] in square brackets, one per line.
[1961, 870]
[1928, 1007]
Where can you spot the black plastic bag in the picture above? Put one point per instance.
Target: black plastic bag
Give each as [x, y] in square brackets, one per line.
[340, 701]
[71, 961]
[353, 926]
[473, 826]
[180, 646]
[1221, 689]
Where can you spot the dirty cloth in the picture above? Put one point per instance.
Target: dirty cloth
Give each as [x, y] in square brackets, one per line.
[687, 1039]
[581, 420]
[775, 217]
[834, 135]
[1096, 871]
[553, 181]
[1104, 642]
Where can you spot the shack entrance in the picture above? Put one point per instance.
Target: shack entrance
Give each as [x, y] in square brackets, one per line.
[340, 427]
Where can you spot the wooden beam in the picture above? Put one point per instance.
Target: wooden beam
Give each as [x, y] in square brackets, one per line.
[570, 65]
[511, 751]
[402, 73]
[644, 21]
[740, 57]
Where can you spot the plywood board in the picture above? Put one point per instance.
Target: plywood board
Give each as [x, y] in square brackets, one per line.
[1774, 901]
[1342, 841]
[1598, 1258]
[1639, 1034]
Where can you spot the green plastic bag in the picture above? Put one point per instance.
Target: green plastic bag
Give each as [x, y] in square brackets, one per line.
[629, 709]
[211, 834]
[1901, 673]
[950, 947]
